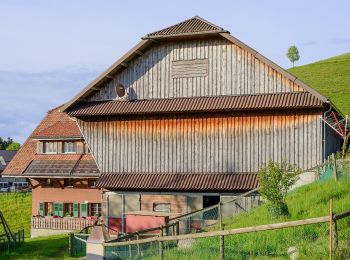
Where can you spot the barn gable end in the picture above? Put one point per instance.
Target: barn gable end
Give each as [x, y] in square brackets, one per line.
[191, 59]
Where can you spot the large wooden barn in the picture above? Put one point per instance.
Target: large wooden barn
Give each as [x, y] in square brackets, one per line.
[189, 115]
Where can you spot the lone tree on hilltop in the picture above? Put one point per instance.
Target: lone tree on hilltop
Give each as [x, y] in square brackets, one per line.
[293, 54]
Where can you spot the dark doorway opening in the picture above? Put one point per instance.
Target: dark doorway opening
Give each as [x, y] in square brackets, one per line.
[210, 201]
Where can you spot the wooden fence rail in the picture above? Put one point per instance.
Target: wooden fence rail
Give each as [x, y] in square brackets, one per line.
[267, 227]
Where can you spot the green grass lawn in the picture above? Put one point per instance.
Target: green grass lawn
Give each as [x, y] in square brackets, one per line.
[330, 77]
[17, 209]
[53, 247]
[312, 241]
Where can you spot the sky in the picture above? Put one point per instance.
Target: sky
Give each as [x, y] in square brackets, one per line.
[51, 49]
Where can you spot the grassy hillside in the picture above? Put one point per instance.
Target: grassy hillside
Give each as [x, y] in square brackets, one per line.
[312, 241]
[53, 247]
[330, 77]
[17, 209]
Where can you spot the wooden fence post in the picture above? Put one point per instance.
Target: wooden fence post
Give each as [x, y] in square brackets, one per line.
[222, 247]
[161, 254]
[71, 244]
[177, 227]
[138, 245]
[334, 233]
[130, 251]
[330, 229]
[334, 167]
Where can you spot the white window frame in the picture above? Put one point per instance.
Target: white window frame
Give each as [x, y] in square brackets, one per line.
[166, 207]
[97, 207]
[74, 151]
[54, 146]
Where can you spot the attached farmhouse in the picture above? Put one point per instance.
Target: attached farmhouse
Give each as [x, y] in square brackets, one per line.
[188, 116]
[10, 184]
[62, 175]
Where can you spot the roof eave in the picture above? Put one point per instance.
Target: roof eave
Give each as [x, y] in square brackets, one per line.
[44, 138]
[285, 73]
[182, 35]
[60, 176]
[107, 74]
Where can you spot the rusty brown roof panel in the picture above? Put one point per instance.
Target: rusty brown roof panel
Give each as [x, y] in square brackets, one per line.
[174, 182]
[293, 100]
[195, 25]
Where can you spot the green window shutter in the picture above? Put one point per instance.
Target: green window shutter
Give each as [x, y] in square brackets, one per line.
[55, 209]
[41, 208]
[60, 209]
[83, 209]
[76, 210]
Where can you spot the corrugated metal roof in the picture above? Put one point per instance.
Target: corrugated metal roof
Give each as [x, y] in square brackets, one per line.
[195, 25]
[191, 182]
[293, 100]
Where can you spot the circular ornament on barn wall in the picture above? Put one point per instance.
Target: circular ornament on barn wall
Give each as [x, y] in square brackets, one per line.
[120, 90]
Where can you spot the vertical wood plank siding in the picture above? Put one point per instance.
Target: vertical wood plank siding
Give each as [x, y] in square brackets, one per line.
[242, 142]
[231, 71]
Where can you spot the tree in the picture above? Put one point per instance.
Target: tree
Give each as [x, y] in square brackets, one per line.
[293, 54]
[5, 143]
[274, 182]
[14, 146]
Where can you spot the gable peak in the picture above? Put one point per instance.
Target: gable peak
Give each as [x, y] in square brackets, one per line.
[193, 26]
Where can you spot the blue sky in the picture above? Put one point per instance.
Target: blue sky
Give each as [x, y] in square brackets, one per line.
[52, 49]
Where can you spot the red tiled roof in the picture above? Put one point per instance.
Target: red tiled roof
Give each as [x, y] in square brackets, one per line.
[27, 152]
[293, 100]
[185, 182]
[60, 129]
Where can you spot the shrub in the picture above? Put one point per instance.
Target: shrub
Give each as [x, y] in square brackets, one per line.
[275, 179]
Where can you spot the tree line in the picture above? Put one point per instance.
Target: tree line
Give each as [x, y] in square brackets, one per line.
[9, 144]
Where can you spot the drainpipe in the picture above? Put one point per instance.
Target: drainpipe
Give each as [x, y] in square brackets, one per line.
[324, 132]
[123, 214]
[107, 211]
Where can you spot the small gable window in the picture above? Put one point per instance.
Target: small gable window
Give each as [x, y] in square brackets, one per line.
[50, 147]
[69, 147]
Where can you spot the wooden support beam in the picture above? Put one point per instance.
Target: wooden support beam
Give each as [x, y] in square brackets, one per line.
[139, 52]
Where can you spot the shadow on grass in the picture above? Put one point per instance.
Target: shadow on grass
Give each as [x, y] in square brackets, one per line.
[52, 247]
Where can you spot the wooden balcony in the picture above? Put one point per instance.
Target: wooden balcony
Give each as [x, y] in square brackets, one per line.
[61, 223]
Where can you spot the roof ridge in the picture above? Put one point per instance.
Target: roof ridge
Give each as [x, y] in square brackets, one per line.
[186, 27]
[206, 21]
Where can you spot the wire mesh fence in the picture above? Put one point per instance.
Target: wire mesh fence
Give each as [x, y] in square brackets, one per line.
[210, 217]
[334, 168]
[77, 244]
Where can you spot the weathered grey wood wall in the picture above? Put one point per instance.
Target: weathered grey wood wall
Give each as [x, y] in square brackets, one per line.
[231, 70]
[205, 143]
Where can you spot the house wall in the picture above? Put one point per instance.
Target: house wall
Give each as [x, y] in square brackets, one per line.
[235, 142]
[333, 141]
[229, 70]
[81, 193]
[177, 202]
